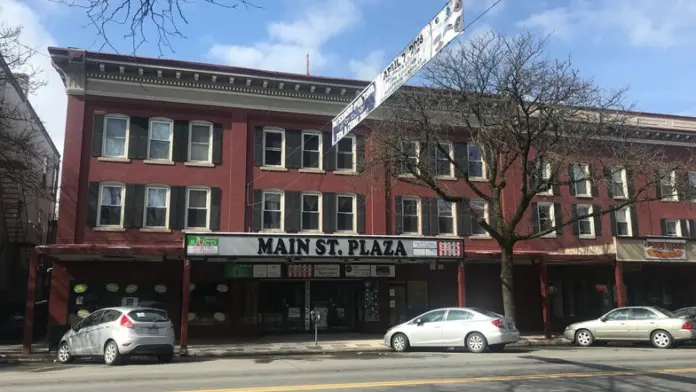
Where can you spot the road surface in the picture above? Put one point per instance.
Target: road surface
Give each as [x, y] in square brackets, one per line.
[552, 370]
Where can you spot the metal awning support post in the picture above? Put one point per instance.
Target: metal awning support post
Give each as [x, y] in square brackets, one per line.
[31, 300]
[185, 299]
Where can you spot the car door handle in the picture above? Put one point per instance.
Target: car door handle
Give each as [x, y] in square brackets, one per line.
[436, 326]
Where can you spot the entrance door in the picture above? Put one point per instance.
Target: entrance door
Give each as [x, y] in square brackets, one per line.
[417, 295]
[397, 304]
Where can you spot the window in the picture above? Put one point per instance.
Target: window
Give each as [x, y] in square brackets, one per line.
[642, 314]
[443, 160]
[111, 205]
[310, 212]
[115, 137]
[475, 162]
[432, 317]
[619, 188]
[618, 315]
[345, 154]
[545, 217]
[409, 157]
[692, 186]
[160, 140]
[273, 147]
[581, 182]
[671, 228]
[410, 215]
[544, 169]
[445, 217]
[272, 210]
[459, 315]
[623, 222]
[345, 211]
[479, 209]
[311, 150]
[110, 316]
[585, 222]
[197, 207]
[668, 186]
[200, 142]
[156, 203]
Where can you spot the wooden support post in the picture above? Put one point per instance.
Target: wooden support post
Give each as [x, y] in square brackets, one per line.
[619, 283]
[461, 285]
[185, 299]
[31, 300]
[545, 311]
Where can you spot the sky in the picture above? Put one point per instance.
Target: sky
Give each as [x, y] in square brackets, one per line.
[648, 46]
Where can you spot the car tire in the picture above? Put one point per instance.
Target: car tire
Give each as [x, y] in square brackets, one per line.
[63, 354]
[400, 343]
[476, 342]
[112, 356]
[166, 358]
[496, 348]
[584, 338]
[661, 339]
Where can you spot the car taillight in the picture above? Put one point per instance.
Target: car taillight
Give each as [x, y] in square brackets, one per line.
[498, 323]
[125, 322]
[689, 325]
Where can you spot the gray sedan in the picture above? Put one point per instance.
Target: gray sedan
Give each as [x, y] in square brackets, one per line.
[637, 323]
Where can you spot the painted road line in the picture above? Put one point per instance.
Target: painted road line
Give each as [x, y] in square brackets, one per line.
[471, 380]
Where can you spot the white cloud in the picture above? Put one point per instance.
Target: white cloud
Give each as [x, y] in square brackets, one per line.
[289, 42]
[369, 67]
[50, 102]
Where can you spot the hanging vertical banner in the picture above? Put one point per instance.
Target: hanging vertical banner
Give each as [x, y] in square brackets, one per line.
[442, 29]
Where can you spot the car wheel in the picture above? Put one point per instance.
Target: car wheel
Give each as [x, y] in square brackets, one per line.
[399, 343]
[476, 343]
[496, 348]
[111, 355]
[64, 355]
[584, 338]
[166, 358]
[661, 339]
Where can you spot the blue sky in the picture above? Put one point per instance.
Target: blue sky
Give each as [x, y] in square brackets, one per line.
[647, 45]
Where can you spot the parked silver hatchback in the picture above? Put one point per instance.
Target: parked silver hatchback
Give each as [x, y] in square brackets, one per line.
[117, 332]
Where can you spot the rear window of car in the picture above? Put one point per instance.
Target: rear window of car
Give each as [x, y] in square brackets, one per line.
[666, 312]
[148, 315]
[486, 312]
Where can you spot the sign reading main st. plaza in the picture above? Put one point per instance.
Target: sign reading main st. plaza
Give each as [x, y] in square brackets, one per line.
[318, 246]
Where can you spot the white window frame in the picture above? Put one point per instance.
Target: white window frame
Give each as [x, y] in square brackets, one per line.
[677, 224]
[319, 211]
[545, 178]
[104, 135]
[281, 131]
[160, 120]
[552, 212]
[282, 209]
[673, 179]
[419, 211]
[416, 151]
[166, 205]
[354, 153]
[469, 160]
[453, 217]
[486, 217]
[450, 146]
[590, 210]
[190, 140]
[626, 211]
[320, 137]
[355, 212]
[208, 206]
[624, 182]
[588, 183]
[123, 202]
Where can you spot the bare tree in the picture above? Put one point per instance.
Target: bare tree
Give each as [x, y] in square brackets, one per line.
[538, 125]
[141, 16]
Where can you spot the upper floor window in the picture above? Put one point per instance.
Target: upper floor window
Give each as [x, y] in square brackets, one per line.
[445, 217]
[345, 213]
[273, 147]
[668, 186]
[410, 215]
[111, 199]
[156, 206]
[443, 160]
[671, 228]
[311, 150]
[692, 186]
[160, 140]
[272, 210]
[409, 157]
[580, 180]
[197, 207]
[311, 213]
[479, 210]
[345, 154]
[543, 173]
[200, 148]
[623, 222]
[619, 183]
[476, 165]
[546, 218]
[585, 223]
[115, 142]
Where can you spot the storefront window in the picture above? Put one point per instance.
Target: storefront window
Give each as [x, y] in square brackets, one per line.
[210, 304]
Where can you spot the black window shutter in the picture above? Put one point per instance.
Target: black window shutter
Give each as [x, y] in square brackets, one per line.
[180, 147]
[461, 158]
[609, 180]
[426, 228]
[556, 186]
[97, 135]
[329, 211]
[93, 204]
[571, 179]
[658, 183]
[431, 156]
[558, 218]
[257, 210]
[535, 218]
[292, 211]
[692, 228]
[593, 181]
[129, 206]
[491, 218]
[684, 228]
[137, 138]
[629, 183]
[360, 153]
[215, 201]
[399, 224]
[574, 215]
[663, 227]
[293, 149]
[612, 221]
[329, 159]
[138, 205]
[597, 220]
[463, 220]
[258, 146]
[217, 143]
[434, 221]
[361, 213]
[177, 207]
[635, 231]
[534, 174]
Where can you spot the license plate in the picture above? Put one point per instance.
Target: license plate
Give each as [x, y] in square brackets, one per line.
[153, 330]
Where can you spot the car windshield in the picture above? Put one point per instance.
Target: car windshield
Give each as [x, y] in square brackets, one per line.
[667, 313]
[148, 315]
[486, 312]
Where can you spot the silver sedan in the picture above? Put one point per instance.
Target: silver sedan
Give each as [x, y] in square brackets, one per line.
[476, 329]
[636, 323]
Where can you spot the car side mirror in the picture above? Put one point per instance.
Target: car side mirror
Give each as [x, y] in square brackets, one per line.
[420, 322]
[603, 319]
[75, 327]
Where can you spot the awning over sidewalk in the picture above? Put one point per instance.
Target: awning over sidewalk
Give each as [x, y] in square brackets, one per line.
[111, 252]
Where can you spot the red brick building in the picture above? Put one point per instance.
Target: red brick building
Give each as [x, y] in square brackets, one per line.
[155, 148]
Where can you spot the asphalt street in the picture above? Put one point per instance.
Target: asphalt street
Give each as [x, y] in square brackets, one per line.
[552, 370]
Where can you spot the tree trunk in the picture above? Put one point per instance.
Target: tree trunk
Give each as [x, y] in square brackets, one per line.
[506, 280]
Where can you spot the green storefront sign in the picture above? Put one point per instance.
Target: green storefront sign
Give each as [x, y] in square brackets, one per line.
[239, 271]
[202, 245]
